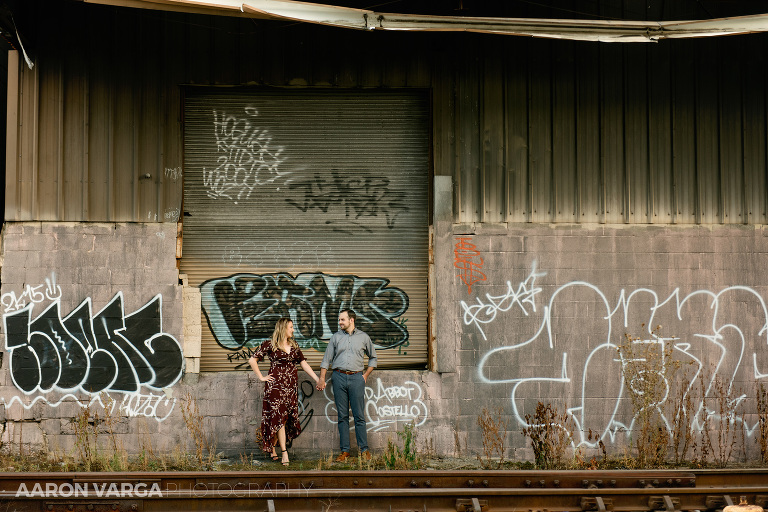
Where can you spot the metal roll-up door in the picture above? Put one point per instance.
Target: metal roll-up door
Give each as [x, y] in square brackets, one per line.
[303, 203]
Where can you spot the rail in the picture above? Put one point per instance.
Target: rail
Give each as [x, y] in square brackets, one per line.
[386, 491]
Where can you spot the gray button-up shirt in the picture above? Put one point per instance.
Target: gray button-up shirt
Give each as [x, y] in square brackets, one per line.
[347, 351]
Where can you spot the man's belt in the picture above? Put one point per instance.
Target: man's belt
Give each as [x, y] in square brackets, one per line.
[344, 371]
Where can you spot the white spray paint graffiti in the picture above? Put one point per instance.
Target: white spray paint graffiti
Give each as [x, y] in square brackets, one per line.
[173, 173]
[523, 297]
[386, 407]
[588, 367]
[246, 159]
[31, 295]
[287, 256]
[171, 214]
[132, 405]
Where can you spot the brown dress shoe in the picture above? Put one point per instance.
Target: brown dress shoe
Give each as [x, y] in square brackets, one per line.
[342, 457]
[366, 455]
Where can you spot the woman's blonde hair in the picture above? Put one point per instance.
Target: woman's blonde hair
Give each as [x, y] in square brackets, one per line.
[279, 334]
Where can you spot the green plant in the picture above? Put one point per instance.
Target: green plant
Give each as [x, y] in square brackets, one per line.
[550, 435]
[494, 432]
[406, 457]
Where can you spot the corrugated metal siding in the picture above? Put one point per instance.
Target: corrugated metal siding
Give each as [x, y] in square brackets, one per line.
[290, 192]
[101, 109]
[99, 135]
[530, 130]
[562, 132]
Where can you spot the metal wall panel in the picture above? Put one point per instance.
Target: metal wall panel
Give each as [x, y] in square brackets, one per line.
[99, 133]
[291, 196]
[93, 131]
[634, 134]
[530, 130]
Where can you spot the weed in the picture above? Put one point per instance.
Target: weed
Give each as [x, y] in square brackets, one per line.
[494, 432]
[726, 429]
[550, 436]
[703, 448]
[456, 441]
[86, 425]
[682, 413]
[647, 369]
[119, 459]
[195, 424]
[406, 457]
[429, 451]
[762, 418]
[365, 464]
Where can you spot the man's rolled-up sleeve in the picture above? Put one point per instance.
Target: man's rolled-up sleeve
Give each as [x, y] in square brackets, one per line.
[372, 362]
[330, 351]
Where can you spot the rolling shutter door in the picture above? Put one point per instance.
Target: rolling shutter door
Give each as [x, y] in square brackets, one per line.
[301, 204]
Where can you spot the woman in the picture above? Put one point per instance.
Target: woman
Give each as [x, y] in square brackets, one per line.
[280, 412]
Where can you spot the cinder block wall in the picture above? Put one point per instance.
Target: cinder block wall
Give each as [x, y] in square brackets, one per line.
[81, 302]
[523, 314]
[537, 314]
[92, 314]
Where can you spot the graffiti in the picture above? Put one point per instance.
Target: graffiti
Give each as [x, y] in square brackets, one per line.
[145, 405]
[173, 173]
[360, 199]
[246, 159]
[402, 346]
[485, 312]
[729, 326]
[31, 294]
[385, 407]
[108, 351]
[388, 406]
[290, 256]
[306, 390]
[241, 355]
[132, 405]
[242, 309]
[171, 214]
[465, 259]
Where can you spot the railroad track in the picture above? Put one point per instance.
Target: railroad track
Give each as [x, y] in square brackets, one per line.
[385, 491]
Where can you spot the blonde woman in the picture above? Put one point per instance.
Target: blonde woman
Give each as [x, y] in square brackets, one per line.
[280, 411]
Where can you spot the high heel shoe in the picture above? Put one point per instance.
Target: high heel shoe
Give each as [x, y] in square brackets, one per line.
[274, 455]
[285, 459]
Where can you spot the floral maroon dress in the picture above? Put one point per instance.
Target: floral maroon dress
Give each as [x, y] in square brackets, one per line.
[281, 400]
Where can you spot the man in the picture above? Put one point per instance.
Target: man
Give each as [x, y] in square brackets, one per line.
[345, 355]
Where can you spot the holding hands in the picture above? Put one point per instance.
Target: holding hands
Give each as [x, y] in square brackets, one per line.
[321, 381]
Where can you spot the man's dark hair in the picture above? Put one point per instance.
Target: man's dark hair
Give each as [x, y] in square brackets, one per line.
[351, 314]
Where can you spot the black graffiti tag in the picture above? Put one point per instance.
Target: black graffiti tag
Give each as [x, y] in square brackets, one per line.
[360, 198]
[244, 308]
[110, 351]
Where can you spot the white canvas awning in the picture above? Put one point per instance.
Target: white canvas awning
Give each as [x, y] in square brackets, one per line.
[362, 19]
